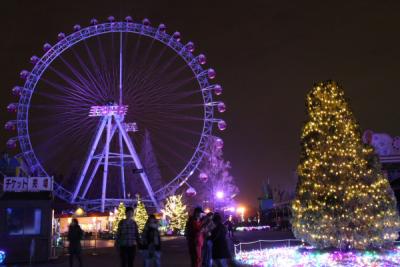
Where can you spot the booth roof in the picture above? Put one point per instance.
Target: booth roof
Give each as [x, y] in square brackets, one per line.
[88, 214]
[27, 196]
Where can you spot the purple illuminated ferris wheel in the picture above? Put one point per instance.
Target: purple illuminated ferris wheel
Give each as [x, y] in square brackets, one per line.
[115, 109]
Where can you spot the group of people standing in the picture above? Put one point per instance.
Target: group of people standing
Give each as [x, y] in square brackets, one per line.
[128, 241]
[205, 233]
[207, 239]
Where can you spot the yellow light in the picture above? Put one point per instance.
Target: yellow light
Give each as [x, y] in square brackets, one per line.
[79, 212]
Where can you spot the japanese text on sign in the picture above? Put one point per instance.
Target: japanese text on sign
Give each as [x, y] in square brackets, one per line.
[24, 184]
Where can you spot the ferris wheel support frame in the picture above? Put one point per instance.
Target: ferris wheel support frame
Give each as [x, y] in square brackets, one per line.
[110, 123]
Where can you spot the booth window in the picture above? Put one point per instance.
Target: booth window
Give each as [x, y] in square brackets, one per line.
[23, 221]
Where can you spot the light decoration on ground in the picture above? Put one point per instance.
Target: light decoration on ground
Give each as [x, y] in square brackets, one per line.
[300, 256]
[2, 256]
[252, 228]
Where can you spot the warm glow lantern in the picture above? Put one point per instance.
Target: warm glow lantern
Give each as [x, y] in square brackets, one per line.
[79, 212]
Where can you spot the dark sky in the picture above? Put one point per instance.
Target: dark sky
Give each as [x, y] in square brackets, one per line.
[267, 55]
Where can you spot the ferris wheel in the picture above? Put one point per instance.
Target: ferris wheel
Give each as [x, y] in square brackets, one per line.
[116, 109]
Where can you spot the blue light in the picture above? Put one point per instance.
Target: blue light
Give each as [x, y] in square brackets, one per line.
[2, 256]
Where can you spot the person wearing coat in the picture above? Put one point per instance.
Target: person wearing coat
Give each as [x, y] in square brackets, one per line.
[195, 237]
[151, 242]
[75, 235]
[220, 251]
[127, 239]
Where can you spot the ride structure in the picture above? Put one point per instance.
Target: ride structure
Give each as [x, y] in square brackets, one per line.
[93, 89]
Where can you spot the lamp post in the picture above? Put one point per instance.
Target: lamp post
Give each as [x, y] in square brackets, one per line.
[219, 195]
[241, 211]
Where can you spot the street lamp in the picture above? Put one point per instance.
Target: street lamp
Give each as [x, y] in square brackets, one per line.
[241, 211]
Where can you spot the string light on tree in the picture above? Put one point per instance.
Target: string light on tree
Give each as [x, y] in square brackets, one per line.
[176, 213]
[342, 199]
[217, 184]
[119, 216]
[141, 215]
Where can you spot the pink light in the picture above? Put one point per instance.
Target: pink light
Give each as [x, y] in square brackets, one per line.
[220, 194]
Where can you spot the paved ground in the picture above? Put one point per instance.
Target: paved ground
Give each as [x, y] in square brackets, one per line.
[174, 252]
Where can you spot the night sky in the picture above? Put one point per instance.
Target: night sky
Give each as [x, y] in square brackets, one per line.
[267, 55]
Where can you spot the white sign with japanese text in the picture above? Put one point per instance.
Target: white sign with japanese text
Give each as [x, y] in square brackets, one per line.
[15, 184]
[28, 184]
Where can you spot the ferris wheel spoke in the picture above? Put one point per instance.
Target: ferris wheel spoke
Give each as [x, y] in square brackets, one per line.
[166, 163]
[103, 63]
[59, 103]
[50, 148]
[79, 90]
[102, 79]
[144, 73]
[59, 108]
[160, 126]
[68, 92]
[141, 74]
[166, 88]
[151, 69]
[59, 133]
[172, 97]
[96, 83]
[88, 83]
[179, 141]
[171, 151]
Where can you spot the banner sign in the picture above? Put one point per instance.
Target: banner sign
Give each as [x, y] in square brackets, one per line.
[25, 184]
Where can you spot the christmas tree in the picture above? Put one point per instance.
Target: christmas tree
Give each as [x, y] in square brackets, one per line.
[119, 215]
[140, 214]
[214, 175]
[176, 213]
[343, 200]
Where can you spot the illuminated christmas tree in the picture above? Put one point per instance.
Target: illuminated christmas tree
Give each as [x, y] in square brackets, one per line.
[119, 215]
[176, 213]
[215, 177]
[343, 200]
[140, 214]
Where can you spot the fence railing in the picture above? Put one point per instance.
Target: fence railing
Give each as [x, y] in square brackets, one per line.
[263, 244]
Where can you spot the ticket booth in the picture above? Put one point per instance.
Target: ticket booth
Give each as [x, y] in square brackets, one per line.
[25, 225]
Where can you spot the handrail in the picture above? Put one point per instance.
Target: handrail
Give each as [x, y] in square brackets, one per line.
[289, 241]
